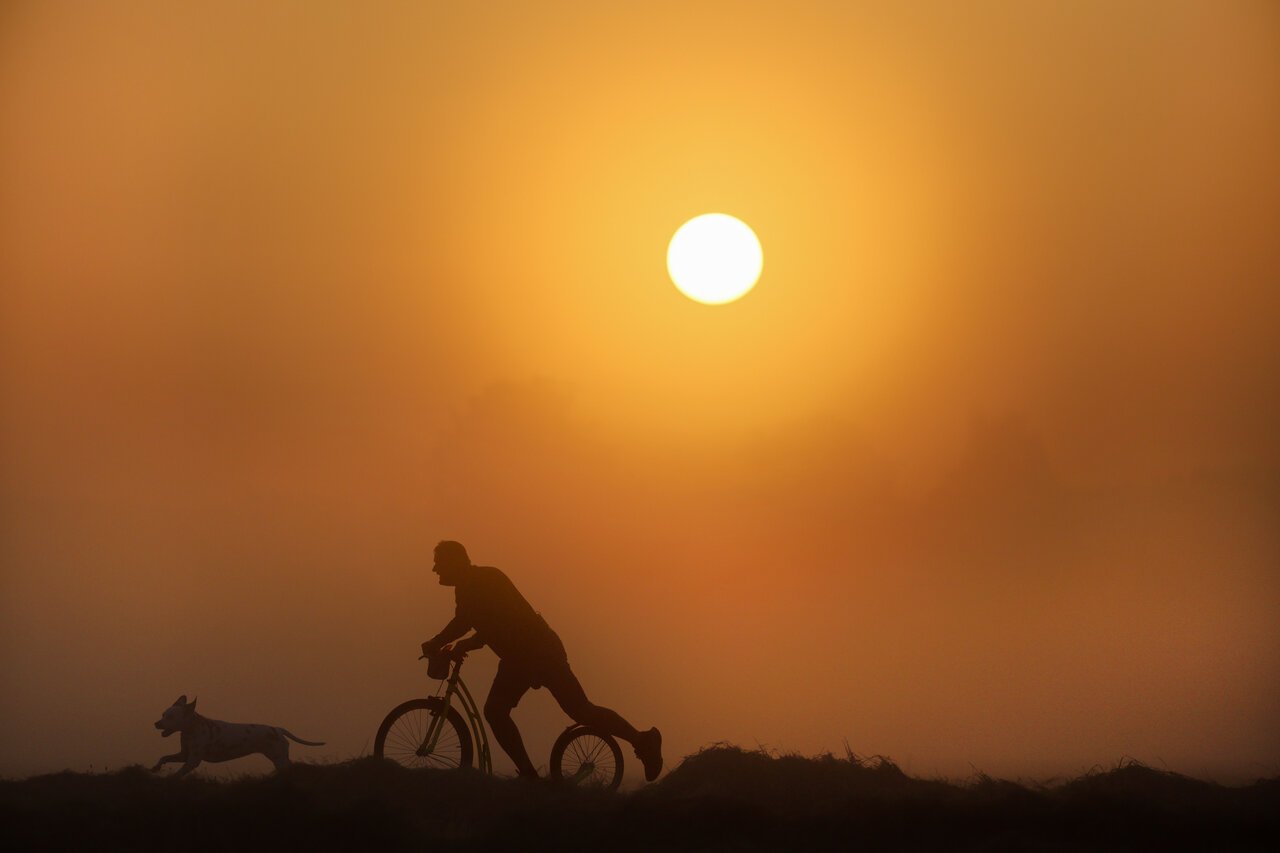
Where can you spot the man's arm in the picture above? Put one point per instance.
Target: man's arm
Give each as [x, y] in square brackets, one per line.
[470, 644]
[457, 626]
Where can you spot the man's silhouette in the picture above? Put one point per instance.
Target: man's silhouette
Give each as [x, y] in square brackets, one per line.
[531, 655]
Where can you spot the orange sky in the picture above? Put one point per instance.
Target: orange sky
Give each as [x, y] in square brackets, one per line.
[983, 473]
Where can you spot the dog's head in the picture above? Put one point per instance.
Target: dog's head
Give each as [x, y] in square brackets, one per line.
[176, 717]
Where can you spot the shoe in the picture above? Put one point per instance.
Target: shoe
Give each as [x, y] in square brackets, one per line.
[649, 751]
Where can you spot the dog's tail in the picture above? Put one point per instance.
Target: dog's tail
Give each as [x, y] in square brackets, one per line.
[291, 736]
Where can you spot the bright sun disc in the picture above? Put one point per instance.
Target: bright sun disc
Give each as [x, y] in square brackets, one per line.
[714, 258]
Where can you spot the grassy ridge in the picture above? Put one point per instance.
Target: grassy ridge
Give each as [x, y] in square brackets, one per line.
[722, 798]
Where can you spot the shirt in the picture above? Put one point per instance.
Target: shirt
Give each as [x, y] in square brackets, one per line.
[489, 602]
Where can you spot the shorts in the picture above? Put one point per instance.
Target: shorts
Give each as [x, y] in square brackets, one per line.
[515, 678]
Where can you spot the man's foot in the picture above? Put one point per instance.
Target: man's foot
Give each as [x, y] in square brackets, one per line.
[649, 751]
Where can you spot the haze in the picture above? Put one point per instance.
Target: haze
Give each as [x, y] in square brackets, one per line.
[983, 474]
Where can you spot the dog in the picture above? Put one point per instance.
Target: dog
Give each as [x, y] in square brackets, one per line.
[204, 739]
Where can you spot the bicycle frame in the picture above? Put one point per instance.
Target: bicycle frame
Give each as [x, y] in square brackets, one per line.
[455, 687]
[581, 766]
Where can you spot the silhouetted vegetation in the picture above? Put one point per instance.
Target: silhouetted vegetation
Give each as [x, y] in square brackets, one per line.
[722, 798]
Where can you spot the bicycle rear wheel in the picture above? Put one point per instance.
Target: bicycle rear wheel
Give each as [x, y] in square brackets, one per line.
[402, 737]
[588, 758]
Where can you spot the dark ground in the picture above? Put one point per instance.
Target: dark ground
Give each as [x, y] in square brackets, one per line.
[721, 799]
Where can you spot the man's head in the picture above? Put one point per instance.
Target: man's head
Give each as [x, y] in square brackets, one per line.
[451, 562]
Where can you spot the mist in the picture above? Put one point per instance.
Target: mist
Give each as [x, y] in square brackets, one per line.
[984, 474]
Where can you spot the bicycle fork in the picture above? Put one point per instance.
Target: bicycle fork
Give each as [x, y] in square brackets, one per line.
[439, 706]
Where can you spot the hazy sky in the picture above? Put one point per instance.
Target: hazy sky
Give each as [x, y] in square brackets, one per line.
[983, 474]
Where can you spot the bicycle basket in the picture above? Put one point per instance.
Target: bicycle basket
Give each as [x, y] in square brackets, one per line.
[438, 666]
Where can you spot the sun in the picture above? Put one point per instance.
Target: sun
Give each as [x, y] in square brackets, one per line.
[714, 258]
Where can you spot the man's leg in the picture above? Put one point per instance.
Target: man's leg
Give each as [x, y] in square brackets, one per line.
[564, 685]
[509, 685]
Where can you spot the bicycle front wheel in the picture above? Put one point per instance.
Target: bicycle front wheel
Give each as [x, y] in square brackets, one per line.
[405, 736]
[588, 758]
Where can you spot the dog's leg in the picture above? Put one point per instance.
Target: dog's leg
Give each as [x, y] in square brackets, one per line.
[177, 756]
[191, 764]
[278, 752]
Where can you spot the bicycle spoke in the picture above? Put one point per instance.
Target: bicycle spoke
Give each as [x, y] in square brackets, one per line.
[407, 737]
[400, 741]
[422, 727]
[589, 759]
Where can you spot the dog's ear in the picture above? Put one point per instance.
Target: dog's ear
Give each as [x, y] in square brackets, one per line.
[192, 705]
[182, 700]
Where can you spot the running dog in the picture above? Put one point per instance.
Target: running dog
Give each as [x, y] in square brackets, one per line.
[204, 739]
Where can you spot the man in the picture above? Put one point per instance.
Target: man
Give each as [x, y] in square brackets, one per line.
[530, 655]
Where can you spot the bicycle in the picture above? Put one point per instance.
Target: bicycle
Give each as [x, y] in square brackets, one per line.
[432, 733]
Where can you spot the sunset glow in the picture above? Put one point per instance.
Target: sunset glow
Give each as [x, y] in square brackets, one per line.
[979, 472]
